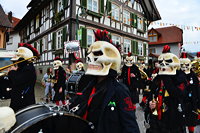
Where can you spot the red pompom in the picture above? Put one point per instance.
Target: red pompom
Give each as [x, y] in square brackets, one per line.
[198, 54]
[166, 49]
[183, 55]
[129, 54]
[58, 58]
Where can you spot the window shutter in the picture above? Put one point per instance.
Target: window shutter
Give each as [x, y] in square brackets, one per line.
[145, 24]
[84, 3]
[54, 41]
[83, 41]
[109, 8]
[110, 36]
[135, 21]
[133, 47]
[65, 3]
[64, 36]
[132, 19]
[35, 45]
[102, 7]
[40, 46]
[145, 49]
[136, 45]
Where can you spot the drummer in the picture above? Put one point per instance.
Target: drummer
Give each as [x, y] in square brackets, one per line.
[105, 102]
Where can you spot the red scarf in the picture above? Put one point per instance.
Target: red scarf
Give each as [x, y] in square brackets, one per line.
[129, 76]
[89, 102]
[160, 100]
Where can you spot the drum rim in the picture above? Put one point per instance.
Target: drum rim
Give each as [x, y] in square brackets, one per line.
[48, 115]
[18, 127]
[28, 108]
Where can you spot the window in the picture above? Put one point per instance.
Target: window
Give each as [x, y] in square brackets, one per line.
[92, 5]
[140, 48]
[37, 23]
[127, 46]
[45, 43]
[115, 12]
[60, 6]
[152, 50]
[140, 23]
[10, 41]
[90, 37]
[59, 40]
[153, 37]
[47, 14]
[126, 17]
[116, 39]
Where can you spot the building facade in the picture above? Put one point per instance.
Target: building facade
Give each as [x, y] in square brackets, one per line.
[14, 37]
[50, 23]
[5, 25]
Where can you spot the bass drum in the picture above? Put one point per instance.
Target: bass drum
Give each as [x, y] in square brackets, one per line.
[40, 118]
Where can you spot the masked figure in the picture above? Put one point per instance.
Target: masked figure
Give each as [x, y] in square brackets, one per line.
[23, 77]
[167, 100]
[60, 78]
[104, 101]
[131, 77]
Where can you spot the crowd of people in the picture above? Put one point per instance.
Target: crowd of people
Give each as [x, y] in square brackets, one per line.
[107, 92]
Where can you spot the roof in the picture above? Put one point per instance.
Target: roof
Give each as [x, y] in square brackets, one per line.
[15, 21]
[4, 22]
[168, 35]
[150, 10]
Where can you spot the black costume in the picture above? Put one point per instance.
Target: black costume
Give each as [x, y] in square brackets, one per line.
[22, 84]
[191, 99]
[111, 109]
[169, 91]
[133, 83]
[60, 76]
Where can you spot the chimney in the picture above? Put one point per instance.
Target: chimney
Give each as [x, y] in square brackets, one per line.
[10, 17]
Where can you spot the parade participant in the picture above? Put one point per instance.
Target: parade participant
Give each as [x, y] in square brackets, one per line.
[60, 78]
[23, 77]
[192, 89]
[131, 77]
[166, 106]
[105, 102]
[46, 81]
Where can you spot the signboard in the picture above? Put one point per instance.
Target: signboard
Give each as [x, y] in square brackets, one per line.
[72, 47]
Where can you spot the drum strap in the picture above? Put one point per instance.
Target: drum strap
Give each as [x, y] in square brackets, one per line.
[89, 101]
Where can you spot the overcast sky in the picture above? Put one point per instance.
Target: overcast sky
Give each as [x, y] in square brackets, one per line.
[180, 12]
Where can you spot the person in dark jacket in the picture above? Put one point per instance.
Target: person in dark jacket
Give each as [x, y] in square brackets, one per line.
[131, 77]
[23, 78]
[104, 101]
[192, 89]
[60, 78]
[166, 106]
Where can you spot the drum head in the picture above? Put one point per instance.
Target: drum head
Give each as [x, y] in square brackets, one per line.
[42, 120]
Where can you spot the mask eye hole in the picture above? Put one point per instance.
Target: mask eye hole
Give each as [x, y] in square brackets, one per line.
[160, 61]
[98, 53]
[187, 65]
[169, 61]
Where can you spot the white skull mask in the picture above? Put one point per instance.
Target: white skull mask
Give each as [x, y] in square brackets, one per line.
[57, 64]
[185, 65]
[79, 66]
[168, 64]
[102, 57]
[22, 52]
[128, 61]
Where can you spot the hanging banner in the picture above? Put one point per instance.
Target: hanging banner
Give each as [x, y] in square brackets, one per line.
[72, 46]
